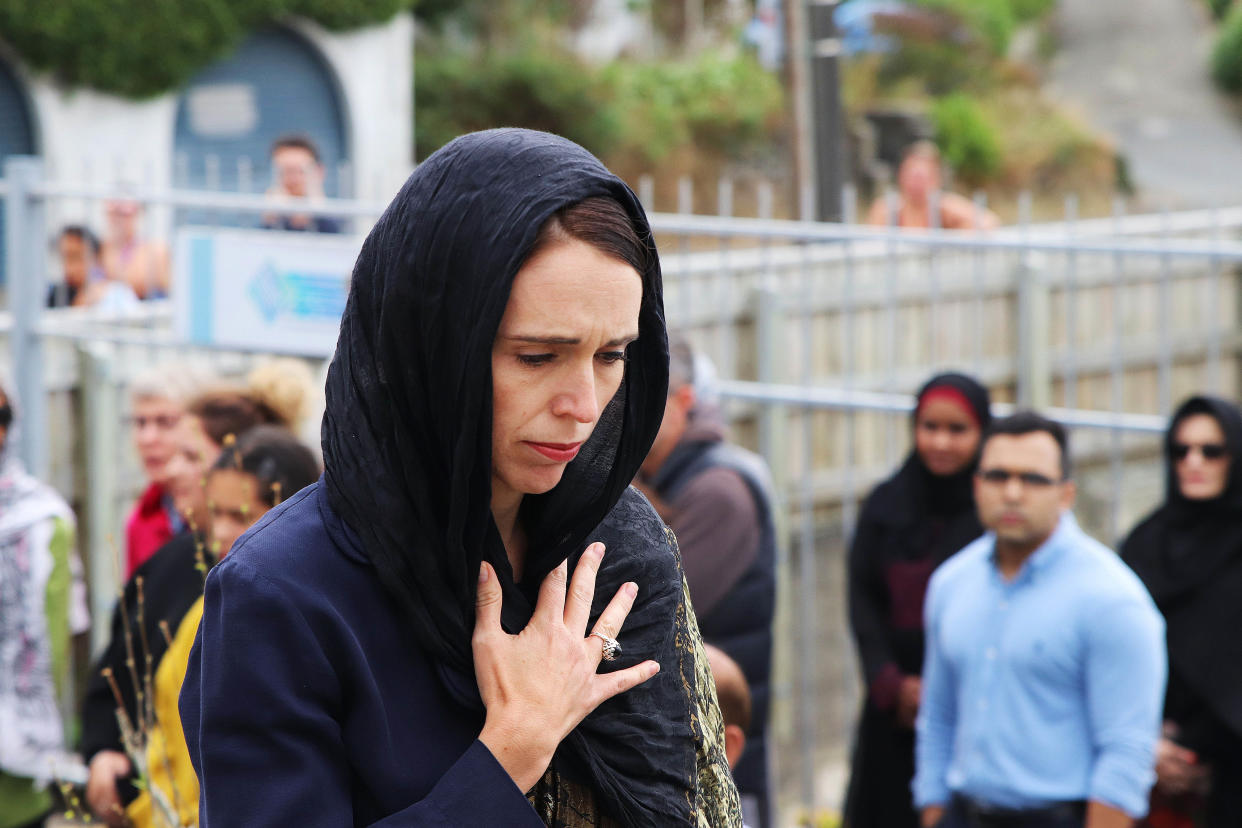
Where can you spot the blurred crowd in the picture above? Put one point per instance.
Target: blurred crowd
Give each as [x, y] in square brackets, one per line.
[122, 267]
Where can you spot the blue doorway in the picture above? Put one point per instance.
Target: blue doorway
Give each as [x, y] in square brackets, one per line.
[276, 83]
[16, 134]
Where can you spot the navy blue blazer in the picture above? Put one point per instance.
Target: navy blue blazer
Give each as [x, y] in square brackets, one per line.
[344, 714]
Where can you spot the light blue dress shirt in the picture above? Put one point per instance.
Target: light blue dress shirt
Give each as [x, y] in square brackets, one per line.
[1047, 688]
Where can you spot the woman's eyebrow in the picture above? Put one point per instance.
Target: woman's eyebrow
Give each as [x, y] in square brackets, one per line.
[569, 340]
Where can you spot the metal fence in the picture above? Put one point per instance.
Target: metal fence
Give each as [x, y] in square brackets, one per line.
[819, 333]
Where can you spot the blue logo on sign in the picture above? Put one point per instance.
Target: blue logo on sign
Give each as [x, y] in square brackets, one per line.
[311, 296]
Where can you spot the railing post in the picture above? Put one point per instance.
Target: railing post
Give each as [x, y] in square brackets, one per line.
[25, 242]
[1034, 364]
[100, 540]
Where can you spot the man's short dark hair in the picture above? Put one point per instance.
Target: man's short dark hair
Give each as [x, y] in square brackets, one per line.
[82, 233]
[296, 141]
[1029, 422]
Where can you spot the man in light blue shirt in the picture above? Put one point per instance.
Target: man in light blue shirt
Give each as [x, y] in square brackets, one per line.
[1044, 676]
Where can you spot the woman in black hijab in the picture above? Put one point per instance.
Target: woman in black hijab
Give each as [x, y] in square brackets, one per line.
[394, 646]
[908, 526]
[1189, 554]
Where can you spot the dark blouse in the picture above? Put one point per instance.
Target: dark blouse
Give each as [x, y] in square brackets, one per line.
[345, 714]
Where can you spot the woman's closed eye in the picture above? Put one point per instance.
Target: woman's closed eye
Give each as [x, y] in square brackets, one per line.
[606, 357]
[610, 357]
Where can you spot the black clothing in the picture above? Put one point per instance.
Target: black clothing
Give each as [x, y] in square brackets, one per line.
[171, 582]
[1189, 555]
[347, 718]
[963, 813]
[317, 224]
[909, 525]
[740, 622]
[61, 295]
[407, 440]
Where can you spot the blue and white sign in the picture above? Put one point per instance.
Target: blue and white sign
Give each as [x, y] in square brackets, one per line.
[262, 290]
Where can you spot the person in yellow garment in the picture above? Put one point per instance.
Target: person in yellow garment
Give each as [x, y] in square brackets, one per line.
[250, 477]
[42, 605]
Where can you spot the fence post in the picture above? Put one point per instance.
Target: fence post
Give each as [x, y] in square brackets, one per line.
[101, 540]
[768, 327]
[1034, 364]
[24, 244]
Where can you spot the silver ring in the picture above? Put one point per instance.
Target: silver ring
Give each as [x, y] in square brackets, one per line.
[611, 648]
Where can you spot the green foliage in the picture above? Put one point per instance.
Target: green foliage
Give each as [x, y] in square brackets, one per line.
[713, 102]
[1227, 53]
[644, 110]
[459, 93]
[1027, 10]
[966, 137]
[140, 50]
[992, 21]
[1219, 8]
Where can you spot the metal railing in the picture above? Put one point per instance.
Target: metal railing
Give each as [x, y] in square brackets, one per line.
[820, 332]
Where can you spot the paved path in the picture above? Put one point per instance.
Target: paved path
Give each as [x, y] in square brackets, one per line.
[1138, 71]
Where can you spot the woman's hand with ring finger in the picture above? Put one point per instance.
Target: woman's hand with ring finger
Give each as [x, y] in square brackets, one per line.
[539, 684]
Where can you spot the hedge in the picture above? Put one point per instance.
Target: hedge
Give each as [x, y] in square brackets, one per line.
[1227, 53]
[967, 139]
[644, 110]
[143, 49]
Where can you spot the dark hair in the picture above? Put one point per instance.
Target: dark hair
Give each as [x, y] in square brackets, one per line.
[84, 234]
[601, 222]
[225, 412]
[1029, 422]
[296, 141]
[279, 462]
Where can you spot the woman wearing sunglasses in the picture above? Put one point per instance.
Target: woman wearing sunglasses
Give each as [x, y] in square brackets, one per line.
[909, 525]
[1189, 554]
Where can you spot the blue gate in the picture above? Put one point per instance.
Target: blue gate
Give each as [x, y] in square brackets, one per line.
[276, 83]
[16, 134]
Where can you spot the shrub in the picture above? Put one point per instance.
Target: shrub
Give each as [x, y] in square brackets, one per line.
[714, 102]
[646, 110]
[1026, 10]
[546, 90]
[95, 43]
[1227, 53]
[966, 138]
[991, 20]
[1219, 8]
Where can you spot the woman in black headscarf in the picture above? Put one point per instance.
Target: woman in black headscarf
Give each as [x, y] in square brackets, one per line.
[908, 526]
[393, 645]
[1189, 554]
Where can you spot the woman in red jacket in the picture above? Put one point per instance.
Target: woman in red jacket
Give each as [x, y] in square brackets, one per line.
[158, 397]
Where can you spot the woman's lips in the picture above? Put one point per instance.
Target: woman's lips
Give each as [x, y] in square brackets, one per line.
[560, 452]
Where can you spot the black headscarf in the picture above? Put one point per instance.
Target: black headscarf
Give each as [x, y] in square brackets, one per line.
[924, 493]
[1189, 555]
[909, 525]
[407, 432]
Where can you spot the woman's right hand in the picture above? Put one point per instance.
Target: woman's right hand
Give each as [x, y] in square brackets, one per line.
[539, 684]
[1177, 768]
[101, 793]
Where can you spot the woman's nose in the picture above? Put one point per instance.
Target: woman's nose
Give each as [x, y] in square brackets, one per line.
[577, 398]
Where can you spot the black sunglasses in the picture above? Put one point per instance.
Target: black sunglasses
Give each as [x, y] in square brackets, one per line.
[1000, 477]
[1210, 451]
[6, 415]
